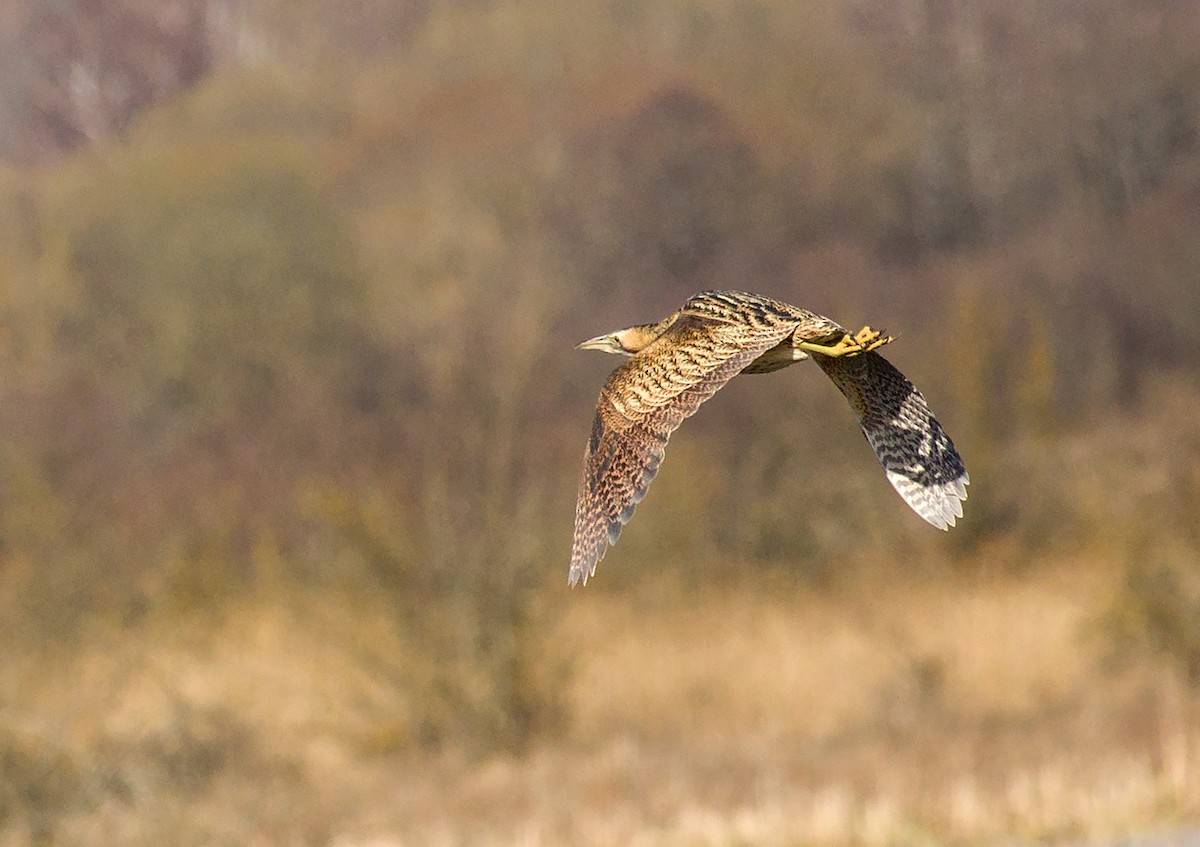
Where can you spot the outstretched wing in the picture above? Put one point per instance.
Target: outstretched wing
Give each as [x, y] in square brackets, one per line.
[642, 403]
[917, 455]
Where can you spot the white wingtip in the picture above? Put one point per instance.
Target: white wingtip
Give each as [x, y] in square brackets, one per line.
[940, 505]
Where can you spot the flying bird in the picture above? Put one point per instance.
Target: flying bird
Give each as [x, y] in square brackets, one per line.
[676, 364]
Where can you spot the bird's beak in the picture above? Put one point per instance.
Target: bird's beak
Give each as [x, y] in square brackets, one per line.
[600, 342]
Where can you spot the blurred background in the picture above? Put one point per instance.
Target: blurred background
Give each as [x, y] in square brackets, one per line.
[292, 422]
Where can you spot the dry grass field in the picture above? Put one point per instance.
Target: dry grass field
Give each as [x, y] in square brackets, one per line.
[882, 710]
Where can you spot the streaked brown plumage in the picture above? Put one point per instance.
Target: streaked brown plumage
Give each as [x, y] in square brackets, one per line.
[681, 361]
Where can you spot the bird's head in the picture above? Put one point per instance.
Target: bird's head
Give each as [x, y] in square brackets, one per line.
[626, 342]
[608, 343]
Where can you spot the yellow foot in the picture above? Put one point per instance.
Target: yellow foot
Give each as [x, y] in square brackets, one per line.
[871, 339]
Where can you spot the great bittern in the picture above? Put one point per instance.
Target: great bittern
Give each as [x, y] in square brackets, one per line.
[678, 363]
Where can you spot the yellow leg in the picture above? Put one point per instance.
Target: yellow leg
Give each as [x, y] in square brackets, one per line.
[866, 339]
[844, 347]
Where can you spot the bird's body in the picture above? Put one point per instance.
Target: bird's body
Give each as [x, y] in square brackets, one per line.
[678, 363]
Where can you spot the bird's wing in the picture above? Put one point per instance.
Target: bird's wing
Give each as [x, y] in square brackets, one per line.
[918, 457]
[642, 403]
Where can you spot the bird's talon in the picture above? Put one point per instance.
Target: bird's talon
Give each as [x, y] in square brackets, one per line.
[867, 336]
[880, 341]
